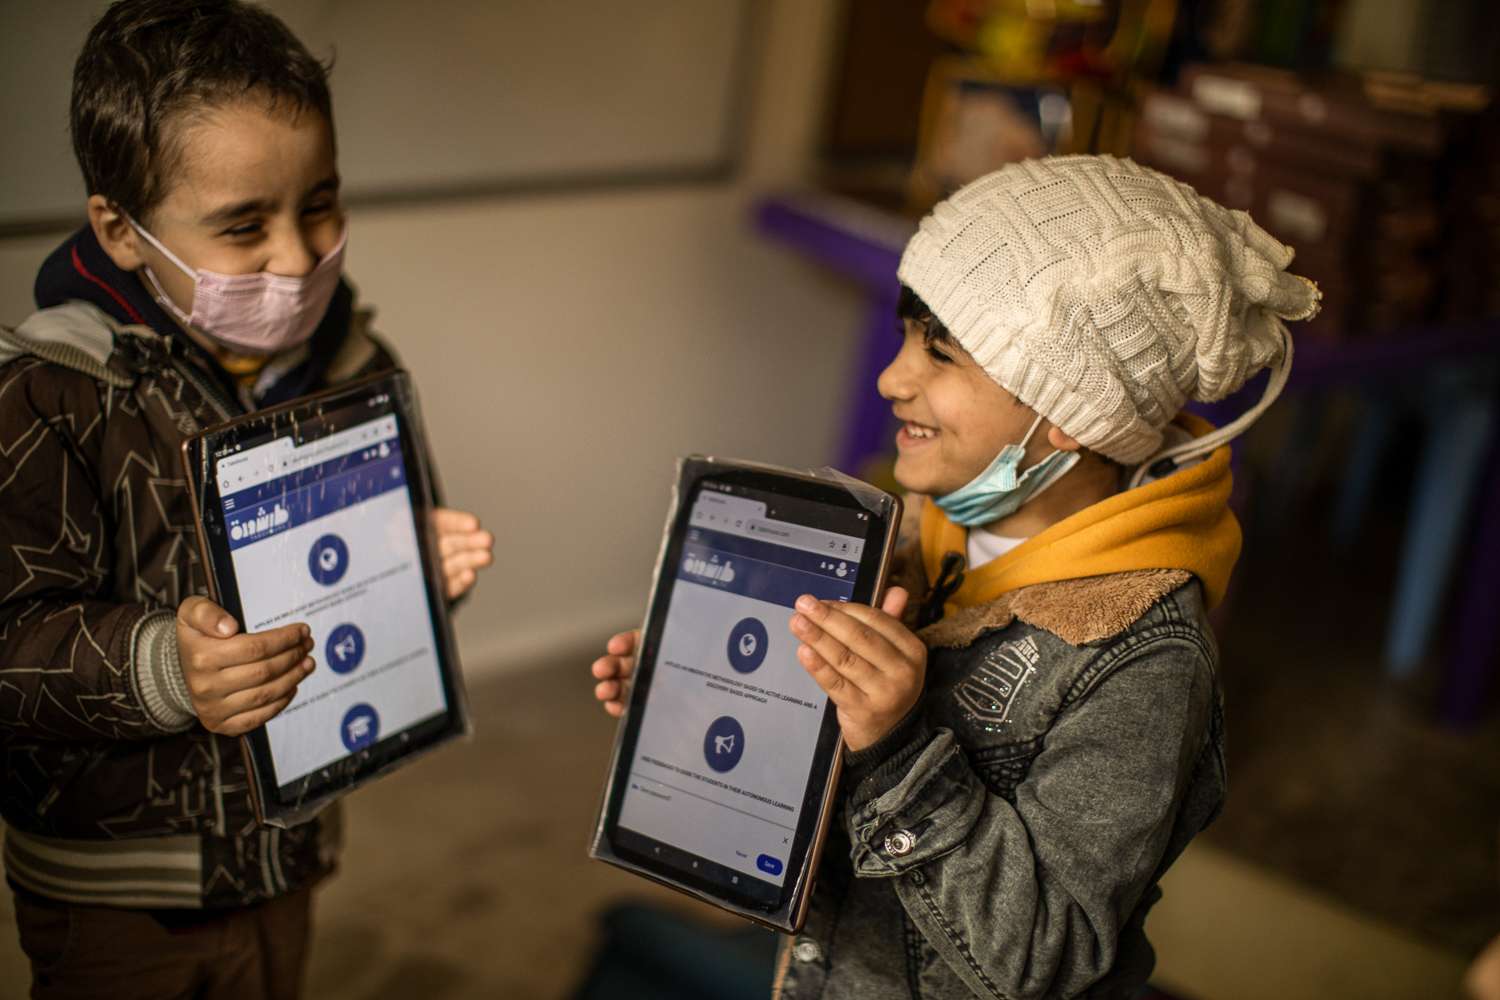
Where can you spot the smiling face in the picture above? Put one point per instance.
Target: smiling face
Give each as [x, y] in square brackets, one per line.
[955, 417]
[256, 189]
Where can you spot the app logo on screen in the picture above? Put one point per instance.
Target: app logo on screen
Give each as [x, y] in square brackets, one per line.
[724, 743]
[344, 649]
[328, 560]
[360, 728]
[747, 645]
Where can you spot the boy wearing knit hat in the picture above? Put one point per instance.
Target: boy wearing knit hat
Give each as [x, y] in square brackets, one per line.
[1032, 718]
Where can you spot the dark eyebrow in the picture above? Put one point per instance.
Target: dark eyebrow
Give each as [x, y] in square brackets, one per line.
[329, 183]
[231, 212]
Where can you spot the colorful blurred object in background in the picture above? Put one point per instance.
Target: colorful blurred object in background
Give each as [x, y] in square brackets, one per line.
[1356, 131]
[1036, 76]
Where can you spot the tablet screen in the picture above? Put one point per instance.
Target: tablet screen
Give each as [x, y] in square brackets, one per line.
[713, 790]
[321, 530]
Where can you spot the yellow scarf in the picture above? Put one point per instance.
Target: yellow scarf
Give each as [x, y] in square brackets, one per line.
[1180, 522]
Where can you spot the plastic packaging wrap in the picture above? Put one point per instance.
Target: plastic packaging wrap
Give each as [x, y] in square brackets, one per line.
[733, 690]
[320, 511]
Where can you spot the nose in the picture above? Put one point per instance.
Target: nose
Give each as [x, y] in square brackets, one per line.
[292, 255]
[896, 383]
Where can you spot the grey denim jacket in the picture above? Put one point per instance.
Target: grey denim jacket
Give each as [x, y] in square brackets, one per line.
[1006, 838]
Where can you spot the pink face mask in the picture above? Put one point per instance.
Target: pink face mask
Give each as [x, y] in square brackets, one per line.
[257, 313]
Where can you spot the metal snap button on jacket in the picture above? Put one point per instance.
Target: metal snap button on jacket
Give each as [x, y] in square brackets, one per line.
[807, 951]
[900, 843]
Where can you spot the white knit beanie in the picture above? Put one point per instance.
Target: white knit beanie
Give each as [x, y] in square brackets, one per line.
[1104, 295]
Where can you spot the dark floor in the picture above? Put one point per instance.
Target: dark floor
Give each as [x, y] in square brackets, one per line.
[1339, 777]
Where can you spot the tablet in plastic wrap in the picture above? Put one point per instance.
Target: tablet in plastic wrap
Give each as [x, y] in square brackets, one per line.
[320, 511]
[727, 757]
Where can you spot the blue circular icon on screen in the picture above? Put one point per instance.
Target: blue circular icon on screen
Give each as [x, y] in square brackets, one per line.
[344, 649]
[724, 743]
[360, 728]
[747, 645]
[328, 560]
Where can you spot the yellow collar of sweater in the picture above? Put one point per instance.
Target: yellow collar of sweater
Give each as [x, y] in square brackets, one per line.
[1182, 521]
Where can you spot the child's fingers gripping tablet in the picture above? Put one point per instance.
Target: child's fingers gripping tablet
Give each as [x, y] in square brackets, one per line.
[464, 547]
[614, 669]
[870, 665]
[238, 682]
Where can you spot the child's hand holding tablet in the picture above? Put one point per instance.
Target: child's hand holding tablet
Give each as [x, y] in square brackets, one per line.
[238, 682]
[870, 665]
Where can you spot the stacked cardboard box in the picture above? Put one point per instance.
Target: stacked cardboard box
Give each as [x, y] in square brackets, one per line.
[1352, 186]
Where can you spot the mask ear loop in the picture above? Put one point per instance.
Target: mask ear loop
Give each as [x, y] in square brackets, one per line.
[1208, 443]
[1008, 471]
[158, 244]
[1032, 430]
[162, 298]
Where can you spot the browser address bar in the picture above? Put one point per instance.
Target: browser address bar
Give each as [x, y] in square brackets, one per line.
[810, 539]
[345, 441]
[277, 458]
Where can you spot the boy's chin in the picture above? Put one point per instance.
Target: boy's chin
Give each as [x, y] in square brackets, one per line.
[914, 479]
[927, 477]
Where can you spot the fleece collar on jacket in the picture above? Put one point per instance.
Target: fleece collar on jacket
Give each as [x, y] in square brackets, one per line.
[80, 270]
[1180, 522]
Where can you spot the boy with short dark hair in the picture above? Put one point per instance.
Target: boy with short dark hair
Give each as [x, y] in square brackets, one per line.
[207, 284]
[1032, 718]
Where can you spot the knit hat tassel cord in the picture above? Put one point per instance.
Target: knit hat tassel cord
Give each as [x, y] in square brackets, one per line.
[1208, 443]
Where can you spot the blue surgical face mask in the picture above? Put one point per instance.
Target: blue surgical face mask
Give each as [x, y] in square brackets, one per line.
[997, 491]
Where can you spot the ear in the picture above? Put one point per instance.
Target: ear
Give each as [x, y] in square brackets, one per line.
[114, 233]
[1057, 439]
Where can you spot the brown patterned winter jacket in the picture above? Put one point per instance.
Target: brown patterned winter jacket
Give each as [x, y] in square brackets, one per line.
[111, 795]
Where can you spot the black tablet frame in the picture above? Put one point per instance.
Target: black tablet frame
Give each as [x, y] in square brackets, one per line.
[387, 393]
[790, 910]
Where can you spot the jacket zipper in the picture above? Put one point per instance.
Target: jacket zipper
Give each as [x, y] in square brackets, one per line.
[209, 392]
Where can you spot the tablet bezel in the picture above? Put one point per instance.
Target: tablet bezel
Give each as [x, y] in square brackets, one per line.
[391, 393]
[788, 913]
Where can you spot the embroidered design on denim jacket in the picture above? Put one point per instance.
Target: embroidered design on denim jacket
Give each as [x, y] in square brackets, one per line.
[988, 695]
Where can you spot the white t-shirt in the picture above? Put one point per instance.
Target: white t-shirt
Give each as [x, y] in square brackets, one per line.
[986, 547]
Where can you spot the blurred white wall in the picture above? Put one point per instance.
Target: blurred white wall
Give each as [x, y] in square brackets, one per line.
[568, 347]
[439, 95]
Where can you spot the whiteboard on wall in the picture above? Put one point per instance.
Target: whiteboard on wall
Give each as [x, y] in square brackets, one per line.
[435, 97]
